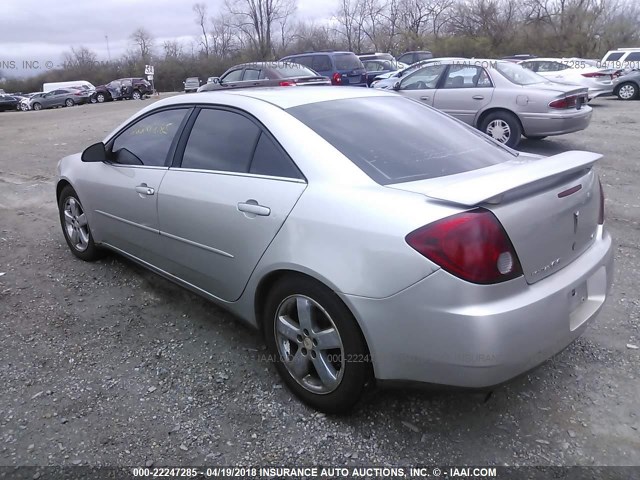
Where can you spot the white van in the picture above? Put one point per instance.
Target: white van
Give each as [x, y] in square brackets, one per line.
[623, 58]
[48, 87]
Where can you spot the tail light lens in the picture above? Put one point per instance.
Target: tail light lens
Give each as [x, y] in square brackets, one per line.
[287, 83]
[564, 103]
[336, 79]
[470, 245]
[601, 211]
[595, 75]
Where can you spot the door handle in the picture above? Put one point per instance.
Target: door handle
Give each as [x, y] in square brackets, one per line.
[143, 189]
[424, 98]
[478, 97]
[252, 207]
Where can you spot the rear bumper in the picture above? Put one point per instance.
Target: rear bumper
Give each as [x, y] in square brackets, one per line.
[544, 124]
[445, 331]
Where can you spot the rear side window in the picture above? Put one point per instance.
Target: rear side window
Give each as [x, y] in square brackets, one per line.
[321, 63]
[148, 141]
[347, 61]
[633, 57]
[411, 141]
[221, 140]
[291, 70]
[613, 56]
[251, 74]
[406, 58]
[269, 159]
[306, 60]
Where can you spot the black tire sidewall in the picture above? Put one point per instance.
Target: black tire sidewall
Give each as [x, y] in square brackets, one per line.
[92, 252]
[511, 120]
[357, 374]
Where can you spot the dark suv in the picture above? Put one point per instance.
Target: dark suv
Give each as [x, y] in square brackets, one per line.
[121, 89]
[343, 68]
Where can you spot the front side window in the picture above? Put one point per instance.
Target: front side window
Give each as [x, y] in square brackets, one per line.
[425, 78]
[232, 76]
[613, 56]
[148, 141]
[633, 57]
[221, 140]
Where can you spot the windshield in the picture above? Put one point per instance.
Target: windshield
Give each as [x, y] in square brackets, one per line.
[411, 141]
[517, 74]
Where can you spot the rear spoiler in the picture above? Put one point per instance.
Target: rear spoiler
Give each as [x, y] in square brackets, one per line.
[488, 186]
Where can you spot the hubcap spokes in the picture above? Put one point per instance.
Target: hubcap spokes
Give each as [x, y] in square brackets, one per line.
[499, 130]
[75, 224]
[627, 91]
[309, 344]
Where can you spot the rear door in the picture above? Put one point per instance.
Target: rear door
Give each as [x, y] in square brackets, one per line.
[463, 92]
[225, 200]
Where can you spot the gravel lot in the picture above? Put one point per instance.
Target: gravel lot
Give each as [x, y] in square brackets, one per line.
[108, 364]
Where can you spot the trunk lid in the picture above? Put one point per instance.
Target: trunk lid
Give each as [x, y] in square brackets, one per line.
[549, 206]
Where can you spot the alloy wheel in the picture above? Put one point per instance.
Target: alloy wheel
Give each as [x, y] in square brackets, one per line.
[627, 92]
[309, 344]
[75, 224]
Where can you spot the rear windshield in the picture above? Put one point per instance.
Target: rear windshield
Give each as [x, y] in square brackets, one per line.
[517, 74]
[395, 139]
[347, 61]
[292, 70]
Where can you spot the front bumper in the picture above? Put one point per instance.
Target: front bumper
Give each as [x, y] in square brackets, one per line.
[544, 124]
[445, 331]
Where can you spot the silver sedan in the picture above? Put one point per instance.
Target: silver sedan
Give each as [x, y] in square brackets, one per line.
[368, 237]
[500, 98]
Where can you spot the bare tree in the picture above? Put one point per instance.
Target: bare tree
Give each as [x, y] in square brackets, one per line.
[200, 9]
[257, 19]
[222, 36]
[144, 41]
[80, 57]
[172, 49]
[350, 19]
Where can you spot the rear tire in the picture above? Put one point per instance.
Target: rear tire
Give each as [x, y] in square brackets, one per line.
[136, 95]
[37, 106]
[101, 98]
[316, 345]
[627, 91]
[69, 102]
[503, 127]
[75, 226]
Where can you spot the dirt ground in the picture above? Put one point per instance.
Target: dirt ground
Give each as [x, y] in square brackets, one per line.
[108, 364]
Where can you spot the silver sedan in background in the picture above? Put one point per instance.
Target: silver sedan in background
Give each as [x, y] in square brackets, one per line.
[368, 237]
[498, 97]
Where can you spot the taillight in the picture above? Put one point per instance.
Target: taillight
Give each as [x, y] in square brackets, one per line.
[336, 79]
[566, 102]
[594, 74]
[287, 83]
[470, 245]
[601, 211]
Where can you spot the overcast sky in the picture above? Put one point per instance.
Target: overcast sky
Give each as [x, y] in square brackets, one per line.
[43, 30]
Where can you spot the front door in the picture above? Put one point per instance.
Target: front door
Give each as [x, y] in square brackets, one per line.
[421, 84]
[124, 192]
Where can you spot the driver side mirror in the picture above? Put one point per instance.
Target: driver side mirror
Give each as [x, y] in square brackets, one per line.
[95, 153]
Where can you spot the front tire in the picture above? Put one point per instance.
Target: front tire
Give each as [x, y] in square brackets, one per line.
[503, 127]
[136, 95]
[101, 98]
[69, 103]
[37, 106]
[75, 226]
[627, 91]
[316, 345]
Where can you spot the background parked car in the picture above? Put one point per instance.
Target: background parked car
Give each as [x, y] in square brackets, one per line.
[486, 93]
[623, 58]
[388, 80]
[26, 102]
[410, 58]
[123, 88]
[265, 74]
[343, 68]
[627, 87]
[62, 97]
[518, 57]
[191, 84]
[575, 71]
[378, 67]
[8, 102]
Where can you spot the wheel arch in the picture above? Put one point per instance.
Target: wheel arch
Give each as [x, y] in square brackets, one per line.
[268, 281]
[488, 111]
[60, 186]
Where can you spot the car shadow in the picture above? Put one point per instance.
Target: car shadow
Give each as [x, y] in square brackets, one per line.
[546, 147]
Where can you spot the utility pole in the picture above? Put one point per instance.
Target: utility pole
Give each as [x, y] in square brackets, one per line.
[106, 37]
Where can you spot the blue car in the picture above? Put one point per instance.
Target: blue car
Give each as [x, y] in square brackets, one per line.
[343, 68]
